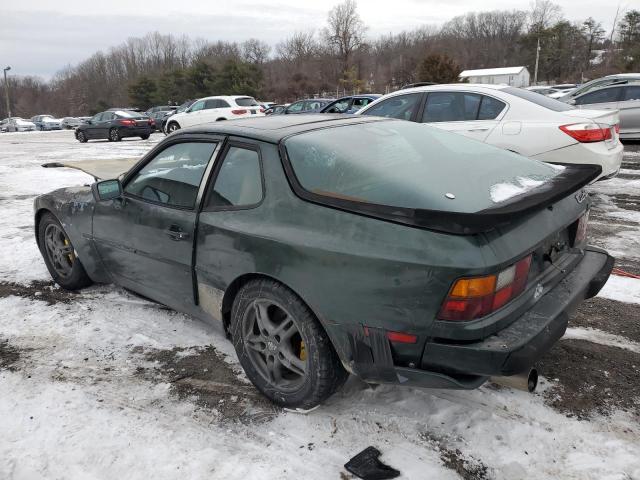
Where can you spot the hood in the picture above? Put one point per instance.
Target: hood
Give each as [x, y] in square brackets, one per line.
[98, 169]
[25, 123]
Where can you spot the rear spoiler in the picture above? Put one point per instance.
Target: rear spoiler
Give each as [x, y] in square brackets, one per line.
[570, 180]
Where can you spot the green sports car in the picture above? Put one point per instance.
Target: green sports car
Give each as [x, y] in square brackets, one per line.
[326, 245]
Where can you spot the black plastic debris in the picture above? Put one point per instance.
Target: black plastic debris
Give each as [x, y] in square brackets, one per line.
[367, 466]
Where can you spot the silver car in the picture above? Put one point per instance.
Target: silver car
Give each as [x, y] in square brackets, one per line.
[17, 124]
[620, 78]
[622, 97]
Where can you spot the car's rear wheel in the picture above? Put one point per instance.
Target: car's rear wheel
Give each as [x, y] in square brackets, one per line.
[173, 126]
[81, 137]
[114, 135]
[144, 137]
[59, 255]
[282, 347]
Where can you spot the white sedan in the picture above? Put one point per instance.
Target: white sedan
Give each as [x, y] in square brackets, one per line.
[17, 124]
[514, 119]
[214, 109]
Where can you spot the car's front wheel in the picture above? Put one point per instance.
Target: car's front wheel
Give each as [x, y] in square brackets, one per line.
[59, 255]
[282, 347]
[145, 137]
[81, 137]
[172, 127]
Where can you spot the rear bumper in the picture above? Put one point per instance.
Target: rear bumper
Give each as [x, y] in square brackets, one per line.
[135, 131]
[514, 349]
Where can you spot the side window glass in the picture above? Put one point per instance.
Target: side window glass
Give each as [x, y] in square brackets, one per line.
[295, 107]
[605, 95]
[339, 106]
[490, 108]
[197, 106]
[174, 175]
[451, 107]
[239, 181]
[96, 118]
[209, 104]
[401, 106]
[632, 93]
[223, 104]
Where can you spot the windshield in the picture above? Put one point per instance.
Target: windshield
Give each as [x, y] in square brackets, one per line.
[405, 164]
[247, 102]
[546, 102]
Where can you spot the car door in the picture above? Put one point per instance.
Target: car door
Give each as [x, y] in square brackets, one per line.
[93, 126]
[145, 237]
[193, 115]
[210, 111]
[629, 107]
[404, 107]
[470, 114]
[232, 201]
[601, 99]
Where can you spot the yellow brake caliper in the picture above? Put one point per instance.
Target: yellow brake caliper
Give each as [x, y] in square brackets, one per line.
[303, 351]
[70, 255]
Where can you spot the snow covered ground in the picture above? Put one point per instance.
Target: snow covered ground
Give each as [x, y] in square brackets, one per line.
[104, 385]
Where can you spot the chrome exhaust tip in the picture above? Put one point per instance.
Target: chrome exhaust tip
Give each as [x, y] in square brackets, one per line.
[526, 381]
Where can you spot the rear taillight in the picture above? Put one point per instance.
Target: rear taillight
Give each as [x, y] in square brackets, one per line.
[581, 230]
[126, 122]
[587, 132]
[152, 122]
[617, 128]
[239, 112]
[475, 297]
[262, 110]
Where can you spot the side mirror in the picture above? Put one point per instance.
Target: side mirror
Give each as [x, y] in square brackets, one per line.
[106, 190]
[88, 122]
[572, 101]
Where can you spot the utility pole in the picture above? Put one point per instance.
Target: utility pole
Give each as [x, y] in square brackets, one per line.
[6, 91]
[535, 71]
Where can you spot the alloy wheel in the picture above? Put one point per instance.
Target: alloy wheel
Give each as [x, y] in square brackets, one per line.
[59, 250]
[274, 345]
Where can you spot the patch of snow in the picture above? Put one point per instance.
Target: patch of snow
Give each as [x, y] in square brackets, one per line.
[622, 289]
[602, 338]
[504, 191]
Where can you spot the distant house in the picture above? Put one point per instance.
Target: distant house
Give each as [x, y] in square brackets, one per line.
[514, 76]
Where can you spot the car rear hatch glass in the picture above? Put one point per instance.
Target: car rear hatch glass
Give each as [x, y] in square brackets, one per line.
[427, 176]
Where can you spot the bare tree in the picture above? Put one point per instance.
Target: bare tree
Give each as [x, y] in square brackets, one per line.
[255, 51]
[345, 31]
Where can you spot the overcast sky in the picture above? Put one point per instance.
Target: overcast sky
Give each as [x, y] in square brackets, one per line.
[39, 37]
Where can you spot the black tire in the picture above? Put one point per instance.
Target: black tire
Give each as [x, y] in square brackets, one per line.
[314, 371]
[220, 119]
[81, 137]
[172, 127]
[65, 268]
[114, 135]
[145, 137]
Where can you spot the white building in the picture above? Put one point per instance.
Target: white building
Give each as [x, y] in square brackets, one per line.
[514, 76]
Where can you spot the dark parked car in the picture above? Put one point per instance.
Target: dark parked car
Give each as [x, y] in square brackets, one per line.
[394, 261]
[158, 114]
[312, 105]
[183, 107]
[350, 104]
[115, 125]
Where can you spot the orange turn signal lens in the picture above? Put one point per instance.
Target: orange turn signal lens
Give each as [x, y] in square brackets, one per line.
[474, 287]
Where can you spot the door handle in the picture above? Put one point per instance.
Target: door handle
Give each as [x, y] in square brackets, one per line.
[176, 233]
[483, 129]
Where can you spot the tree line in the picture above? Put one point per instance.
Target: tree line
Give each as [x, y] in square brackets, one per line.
[158, 69]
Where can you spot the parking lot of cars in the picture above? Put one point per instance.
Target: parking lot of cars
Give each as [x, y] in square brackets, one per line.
[155, 383]
[352, 231]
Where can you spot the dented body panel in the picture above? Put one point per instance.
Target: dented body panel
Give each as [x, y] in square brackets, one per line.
[351, 270]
